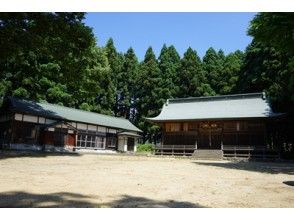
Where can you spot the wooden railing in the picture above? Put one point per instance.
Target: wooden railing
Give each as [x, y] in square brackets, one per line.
[247, 151]
[175, 150]
[229, 151]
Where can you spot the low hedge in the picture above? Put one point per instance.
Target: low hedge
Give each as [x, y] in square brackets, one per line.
[145, 147]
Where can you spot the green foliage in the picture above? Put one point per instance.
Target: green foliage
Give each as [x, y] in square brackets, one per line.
[145, 147]
[169, 64]
[276, 30]
[53, 57]
[126, 86]
[42, 54]
[265, 69]
[148, 101]
[192, 79]
[116, 62]
[269, 63]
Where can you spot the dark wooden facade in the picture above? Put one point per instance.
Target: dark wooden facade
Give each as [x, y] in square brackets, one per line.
[215, 134]
[58, 134]
[250, 138]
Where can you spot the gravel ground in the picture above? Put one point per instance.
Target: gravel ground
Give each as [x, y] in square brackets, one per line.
[55, 180]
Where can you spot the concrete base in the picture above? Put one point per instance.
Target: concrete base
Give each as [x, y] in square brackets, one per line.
[96, 151]
[208, 154]
[25, 147]
[33, 147]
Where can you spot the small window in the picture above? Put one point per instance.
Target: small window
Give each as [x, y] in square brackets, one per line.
[92, 127]
[101, 129]
[111, 142]
[81, 126]
[193, 126]
[255, 126]
[230, 126]
[41, 120]
[172, 127]
[112, 131]
[18, 117]
[185, 127]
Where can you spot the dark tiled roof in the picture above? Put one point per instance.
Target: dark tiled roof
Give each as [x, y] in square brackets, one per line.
[70, 114]
[251, 105]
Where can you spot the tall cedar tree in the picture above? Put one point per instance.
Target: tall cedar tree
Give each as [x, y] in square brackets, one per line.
[230, 72]
[169, 64]
[192, 80]
[98, 89]
[149, 102]
[115, 60]
[213, 66]
[126, 91]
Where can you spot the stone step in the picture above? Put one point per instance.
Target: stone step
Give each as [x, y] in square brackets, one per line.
[208, 154]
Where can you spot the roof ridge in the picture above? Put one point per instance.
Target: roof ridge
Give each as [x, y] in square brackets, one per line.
[218, 97]
[81, 110]
[61, 106]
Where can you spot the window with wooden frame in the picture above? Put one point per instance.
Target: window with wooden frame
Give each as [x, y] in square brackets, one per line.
[230, 126]
[111, 142]
[193, 126]
[255, 126]
[90, 141]
[185, 126]
[172, 127]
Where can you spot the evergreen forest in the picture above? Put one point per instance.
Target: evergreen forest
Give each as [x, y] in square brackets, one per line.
[54, 57]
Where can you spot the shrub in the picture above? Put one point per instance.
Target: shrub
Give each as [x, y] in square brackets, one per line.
[145, 147]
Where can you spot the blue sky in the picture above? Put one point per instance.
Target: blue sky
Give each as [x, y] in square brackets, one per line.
[226, 31]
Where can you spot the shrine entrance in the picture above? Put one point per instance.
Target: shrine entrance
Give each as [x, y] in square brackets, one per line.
[210, 135]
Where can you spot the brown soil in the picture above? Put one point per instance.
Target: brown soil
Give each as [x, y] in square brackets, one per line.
[52, 180]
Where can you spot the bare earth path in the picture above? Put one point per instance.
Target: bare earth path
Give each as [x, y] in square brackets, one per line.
[49, 180]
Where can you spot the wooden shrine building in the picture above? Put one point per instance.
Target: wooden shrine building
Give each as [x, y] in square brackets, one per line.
[229, 125]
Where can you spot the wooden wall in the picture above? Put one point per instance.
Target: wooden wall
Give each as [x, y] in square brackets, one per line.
[237, 132]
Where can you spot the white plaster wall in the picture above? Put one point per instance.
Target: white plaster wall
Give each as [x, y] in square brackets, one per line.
[101, 129]
[18, 117]
[49, 121]
[136, 143]
[30, 118]
[81, 126]
[92, 127]
[122, 144]
[112, 131]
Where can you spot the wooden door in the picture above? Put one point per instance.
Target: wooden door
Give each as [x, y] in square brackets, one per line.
[71, 139]
[130, 143]
[209, 138]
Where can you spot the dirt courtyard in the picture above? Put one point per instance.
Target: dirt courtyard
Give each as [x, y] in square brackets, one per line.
[89, 180]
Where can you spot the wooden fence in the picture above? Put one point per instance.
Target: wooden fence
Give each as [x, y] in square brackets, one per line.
[175, 150]
[244, 151]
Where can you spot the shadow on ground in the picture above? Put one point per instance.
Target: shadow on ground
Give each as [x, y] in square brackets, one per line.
[289, 183]
[17, 199]
[263, 167]
[33, 154]
[127, 201]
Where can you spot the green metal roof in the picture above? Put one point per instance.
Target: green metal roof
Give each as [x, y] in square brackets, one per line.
[129, 134]
[70, 114]
[251, 105]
